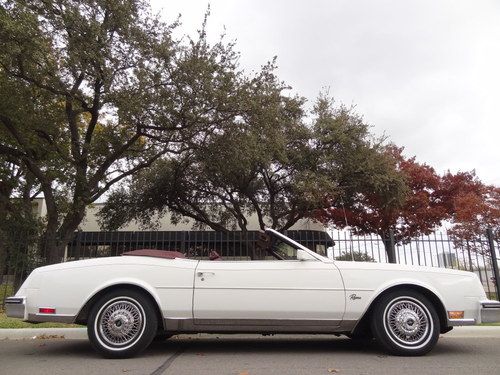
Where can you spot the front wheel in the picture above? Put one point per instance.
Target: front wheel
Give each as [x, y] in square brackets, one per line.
[122, 323]
[405, 323]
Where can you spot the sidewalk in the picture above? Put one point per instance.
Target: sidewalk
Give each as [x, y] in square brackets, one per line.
[43, 333]
[81, 333]
[474, 331]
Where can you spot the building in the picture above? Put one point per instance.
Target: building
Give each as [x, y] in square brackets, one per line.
[90, 241]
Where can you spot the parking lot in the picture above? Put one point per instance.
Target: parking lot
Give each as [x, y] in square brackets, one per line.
[462, 351]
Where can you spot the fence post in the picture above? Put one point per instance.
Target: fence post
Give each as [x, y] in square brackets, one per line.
[494, 262]
[391, 251]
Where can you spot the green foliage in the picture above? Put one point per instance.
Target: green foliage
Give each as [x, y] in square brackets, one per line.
[351, 156]
[261, 162]
[19, 234]
[97, 90]
[356, 256]
[6, 290]
[268, 162]
[19, 226]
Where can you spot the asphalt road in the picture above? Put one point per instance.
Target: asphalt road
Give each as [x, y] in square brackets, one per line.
[456, 353]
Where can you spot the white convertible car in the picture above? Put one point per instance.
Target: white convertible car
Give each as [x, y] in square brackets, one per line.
[127, 301]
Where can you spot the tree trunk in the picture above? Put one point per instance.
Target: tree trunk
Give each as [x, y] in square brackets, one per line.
[54, 241]
[51, 250]
[56, 237]
[249, 250]
[389, 245]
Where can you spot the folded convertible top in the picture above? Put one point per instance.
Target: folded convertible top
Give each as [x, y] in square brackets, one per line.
[168, 254]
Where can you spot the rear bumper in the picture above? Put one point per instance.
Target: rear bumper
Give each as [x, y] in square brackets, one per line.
[490, 311]
[15, 307]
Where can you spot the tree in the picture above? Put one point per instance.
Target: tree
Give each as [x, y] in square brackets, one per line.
[357, 256]
[261, 164]
[349, 155]
[269, 163]
[94, 91]
[376, 211]
[475, 207]
[20, 227]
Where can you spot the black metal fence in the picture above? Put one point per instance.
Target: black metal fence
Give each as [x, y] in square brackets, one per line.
[480, 255]
[439, 249]
[194, 244]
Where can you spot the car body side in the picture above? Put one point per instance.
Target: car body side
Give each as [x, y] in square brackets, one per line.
[171, 283]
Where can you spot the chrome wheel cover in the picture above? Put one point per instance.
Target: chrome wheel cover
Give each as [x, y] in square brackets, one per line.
[120, 322]
[408, 322]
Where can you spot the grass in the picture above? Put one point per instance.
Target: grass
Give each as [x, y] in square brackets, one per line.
[6, 290]
[6, 322]
[490, 324]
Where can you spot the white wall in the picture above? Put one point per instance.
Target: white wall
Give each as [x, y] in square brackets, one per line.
[90, 222]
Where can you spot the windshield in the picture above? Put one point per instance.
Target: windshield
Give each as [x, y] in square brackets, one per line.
[273, 246]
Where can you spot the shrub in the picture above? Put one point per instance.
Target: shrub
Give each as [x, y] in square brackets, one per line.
[356, 256]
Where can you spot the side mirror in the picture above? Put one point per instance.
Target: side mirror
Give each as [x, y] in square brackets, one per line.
[303, 255]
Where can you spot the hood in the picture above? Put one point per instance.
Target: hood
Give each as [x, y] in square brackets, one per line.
[400, 267]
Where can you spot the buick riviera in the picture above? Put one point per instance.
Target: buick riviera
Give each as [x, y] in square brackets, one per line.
[127, 301]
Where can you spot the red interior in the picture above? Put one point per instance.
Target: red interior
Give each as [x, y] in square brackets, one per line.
[168, 254]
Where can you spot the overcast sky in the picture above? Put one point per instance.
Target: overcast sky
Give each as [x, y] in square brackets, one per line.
[426, 73]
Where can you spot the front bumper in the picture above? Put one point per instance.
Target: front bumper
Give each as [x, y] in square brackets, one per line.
[490, 311]
[15, 307]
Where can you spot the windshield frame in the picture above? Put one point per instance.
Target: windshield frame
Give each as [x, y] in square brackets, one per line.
[291, 242]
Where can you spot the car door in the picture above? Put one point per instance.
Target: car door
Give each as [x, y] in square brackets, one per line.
[268, 292]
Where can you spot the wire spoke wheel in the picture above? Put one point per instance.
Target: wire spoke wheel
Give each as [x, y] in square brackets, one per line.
[404, 322]
[408, 322]
[120, 322]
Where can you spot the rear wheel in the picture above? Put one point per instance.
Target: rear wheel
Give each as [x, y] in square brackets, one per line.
[405, 323]
[122, 323]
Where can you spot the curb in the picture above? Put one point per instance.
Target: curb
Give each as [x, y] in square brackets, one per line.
[81, 333]
[474, 331]
[43, 333]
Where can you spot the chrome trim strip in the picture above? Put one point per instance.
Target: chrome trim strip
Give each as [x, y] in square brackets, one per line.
[267, 322]
[53, 318]
[265, 288]
[461, 322]
[257, 326]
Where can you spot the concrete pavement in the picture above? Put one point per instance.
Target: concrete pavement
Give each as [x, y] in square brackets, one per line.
[464, 350]
[81, 333]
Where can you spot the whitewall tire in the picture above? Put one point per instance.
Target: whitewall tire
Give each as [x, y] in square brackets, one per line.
[405, 323]
[122, 323]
